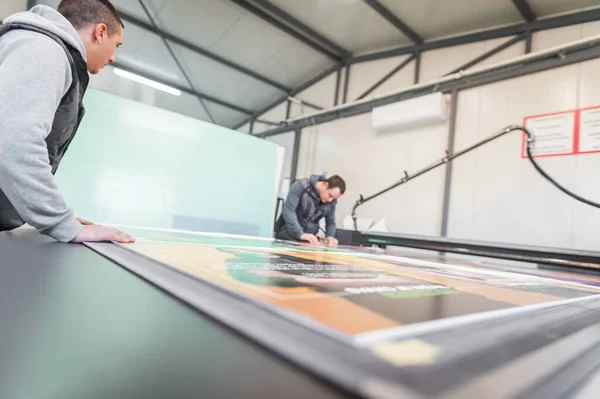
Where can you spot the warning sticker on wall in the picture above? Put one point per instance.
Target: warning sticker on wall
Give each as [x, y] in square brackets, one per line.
[589, 130]
[554, 134]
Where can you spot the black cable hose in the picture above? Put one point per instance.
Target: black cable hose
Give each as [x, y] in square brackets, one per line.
[450, 158]
[530, 140]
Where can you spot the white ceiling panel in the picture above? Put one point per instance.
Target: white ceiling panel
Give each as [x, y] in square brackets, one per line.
[149, 54]
[225, 83]
[201, 22]
[543, 8]
[134, 8]
[351, 24]
[225, 116]
[435, 18]
[229, 31]
[132, 38]
[288, 63]
[185, 104]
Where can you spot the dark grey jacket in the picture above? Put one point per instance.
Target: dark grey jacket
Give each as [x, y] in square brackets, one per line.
[303, 210]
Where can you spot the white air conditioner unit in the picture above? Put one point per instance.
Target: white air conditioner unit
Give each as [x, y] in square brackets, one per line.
[409, 114]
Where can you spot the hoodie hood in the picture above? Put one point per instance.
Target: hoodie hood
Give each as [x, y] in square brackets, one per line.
[52, 21]
[315, 178]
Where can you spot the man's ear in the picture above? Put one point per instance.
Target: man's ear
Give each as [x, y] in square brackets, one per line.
[100, 32]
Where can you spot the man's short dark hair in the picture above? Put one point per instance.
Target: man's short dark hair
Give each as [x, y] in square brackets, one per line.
[82, 13]
[336, 182]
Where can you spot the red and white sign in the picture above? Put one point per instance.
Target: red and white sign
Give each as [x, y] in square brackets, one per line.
[589, 130]
[554, 134]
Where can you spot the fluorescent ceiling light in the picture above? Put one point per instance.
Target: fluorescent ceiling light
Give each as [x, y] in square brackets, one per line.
[147, 82]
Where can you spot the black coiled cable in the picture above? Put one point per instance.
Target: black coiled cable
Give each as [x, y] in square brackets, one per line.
[530, 141]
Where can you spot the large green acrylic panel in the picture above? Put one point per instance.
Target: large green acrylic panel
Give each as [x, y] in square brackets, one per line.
[137, 165]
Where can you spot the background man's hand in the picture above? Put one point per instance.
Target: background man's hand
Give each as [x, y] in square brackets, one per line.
[97, 233]
[311, 238]
[331, 242]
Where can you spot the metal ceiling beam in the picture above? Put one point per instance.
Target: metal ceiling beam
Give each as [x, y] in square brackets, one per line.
[179, 65]
[288, 109]
[449, 153]
[295, 154]
[528, 42]
[265, 122]
[526, 11]
[198, 50]
[387, 76]
[394, 20]
[346, 84]
[488, 54]
[562, 57]
[287, 29]
[297, 90]
[308, 31]
[307, 103]
[336, 94]
[417, 68]
[541, 24]
[183, 89]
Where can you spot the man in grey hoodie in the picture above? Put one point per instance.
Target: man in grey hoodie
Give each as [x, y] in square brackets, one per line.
[45, 57]
[309, 201]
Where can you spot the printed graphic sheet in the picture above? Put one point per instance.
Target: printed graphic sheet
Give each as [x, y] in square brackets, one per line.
[355, 293]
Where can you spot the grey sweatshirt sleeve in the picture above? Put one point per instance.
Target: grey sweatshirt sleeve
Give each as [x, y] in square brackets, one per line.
[34, 76]
[289, 209]
[330, 228]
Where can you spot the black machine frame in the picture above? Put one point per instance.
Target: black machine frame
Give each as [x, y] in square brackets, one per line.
[544, 257]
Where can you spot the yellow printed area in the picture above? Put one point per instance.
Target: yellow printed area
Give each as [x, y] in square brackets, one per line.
[412, 352]
[332, 311]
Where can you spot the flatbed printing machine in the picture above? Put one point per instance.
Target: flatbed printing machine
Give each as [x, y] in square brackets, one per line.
[585, 261]
[79, 322]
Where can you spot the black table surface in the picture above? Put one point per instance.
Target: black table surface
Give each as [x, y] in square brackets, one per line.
[73, 324]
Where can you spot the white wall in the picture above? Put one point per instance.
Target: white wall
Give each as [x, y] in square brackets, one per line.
[369, 162]
[495, 194]
[8, 7]
[498, 196]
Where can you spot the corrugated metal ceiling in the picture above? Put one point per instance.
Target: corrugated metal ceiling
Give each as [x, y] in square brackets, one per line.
[282, 42]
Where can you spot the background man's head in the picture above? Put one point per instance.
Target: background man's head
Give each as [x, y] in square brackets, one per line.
[332, 189]
[99, 26]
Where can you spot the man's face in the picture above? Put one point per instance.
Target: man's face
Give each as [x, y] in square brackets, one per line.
[329, 194]
[101, 49]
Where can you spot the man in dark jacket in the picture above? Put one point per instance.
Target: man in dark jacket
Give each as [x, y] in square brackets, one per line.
[45, 57]
[309, 201]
